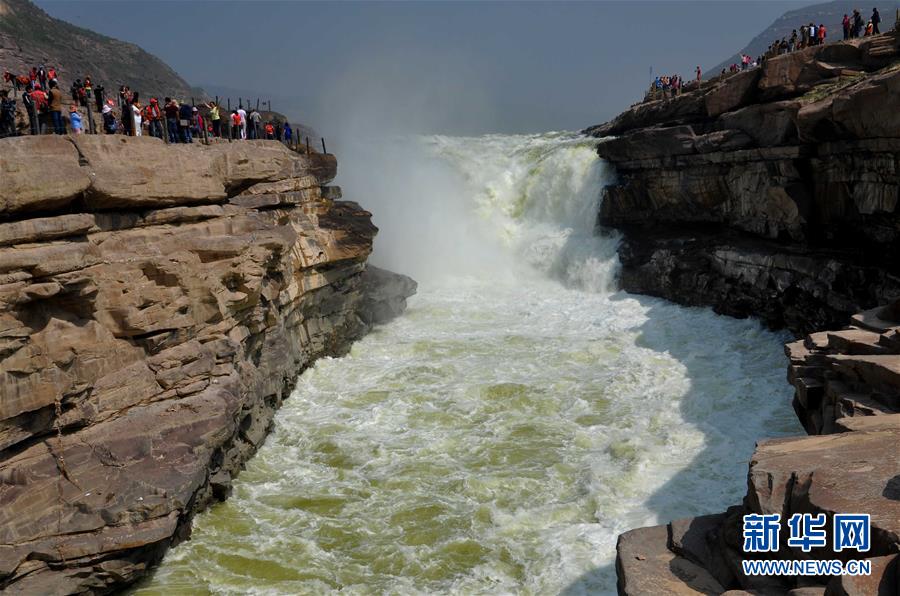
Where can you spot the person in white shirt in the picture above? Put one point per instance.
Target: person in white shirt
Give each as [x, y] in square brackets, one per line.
[243, 114]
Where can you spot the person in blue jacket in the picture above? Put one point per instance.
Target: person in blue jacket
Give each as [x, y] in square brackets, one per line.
[75, 120]
[185, 114]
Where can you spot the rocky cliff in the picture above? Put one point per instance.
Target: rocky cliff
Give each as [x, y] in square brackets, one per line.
[773, 193]
[156, 304]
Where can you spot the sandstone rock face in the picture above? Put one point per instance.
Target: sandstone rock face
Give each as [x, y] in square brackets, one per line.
[772, 192]
[156, 304]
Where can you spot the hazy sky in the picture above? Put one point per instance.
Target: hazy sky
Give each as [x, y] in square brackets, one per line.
[456, 67]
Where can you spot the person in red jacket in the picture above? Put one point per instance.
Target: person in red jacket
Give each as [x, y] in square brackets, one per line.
[171, 110]
[154, 117]
[235, 125]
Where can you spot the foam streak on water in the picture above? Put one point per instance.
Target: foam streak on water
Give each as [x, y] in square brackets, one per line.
[498, 437]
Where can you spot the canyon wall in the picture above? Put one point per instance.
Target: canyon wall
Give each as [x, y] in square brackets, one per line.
[156, 305]
[770, 193]
[773, 193]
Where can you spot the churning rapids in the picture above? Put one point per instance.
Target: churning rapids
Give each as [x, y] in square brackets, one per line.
[499, 436]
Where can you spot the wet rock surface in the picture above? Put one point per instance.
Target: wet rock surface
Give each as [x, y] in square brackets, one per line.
[156, 305]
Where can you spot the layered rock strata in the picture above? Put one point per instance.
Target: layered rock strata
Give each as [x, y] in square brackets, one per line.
[772, 192]
[156, 304]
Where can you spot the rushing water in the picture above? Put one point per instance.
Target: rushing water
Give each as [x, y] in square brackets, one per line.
[499, 436]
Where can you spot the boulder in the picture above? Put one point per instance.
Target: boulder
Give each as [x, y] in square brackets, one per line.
[859, 111]
[39, 173]
[792, 74]
[126, 172]
[735, 92]
[648, 143]
[768, 124]
[883, 581]
[646, 566]
[45, 228]
[854, 472]
[384, 295]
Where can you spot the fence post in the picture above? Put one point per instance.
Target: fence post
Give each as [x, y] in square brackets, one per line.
[307, 145]
[90, 117]
[324, 150]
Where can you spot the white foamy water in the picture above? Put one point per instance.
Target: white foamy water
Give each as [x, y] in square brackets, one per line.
[498, 437]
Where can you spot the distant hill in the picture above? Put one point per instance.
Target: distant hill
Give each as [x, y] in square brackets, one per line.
[30, 37]
[830, 14]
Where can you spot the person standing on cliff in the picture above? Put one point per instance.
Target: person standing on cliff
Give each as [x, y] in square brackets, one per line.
[699, 73]
[846, 25]
[31, 109]
[822, 32]
[109, 119]
[857, 23]
[75, 120]
[255, 119]
[876, 19]
[243, 114]
[171, 110]
[235, 125]
[154, 118]
[55, 103]
[185, 114]
[216, 118]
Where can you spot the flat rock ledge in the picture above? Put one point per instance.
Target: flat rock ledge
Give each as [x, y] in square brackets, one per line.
[156, 305]
[847, 394]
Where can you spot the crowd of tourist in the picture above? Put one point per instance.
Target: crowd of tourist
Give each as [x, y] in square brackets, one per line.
[853, 26]
[667, 85]
[172, 120]
[804, 37]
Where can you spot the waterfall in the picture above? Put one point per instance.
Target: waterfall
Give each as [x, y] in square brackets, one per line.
[498, 437]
